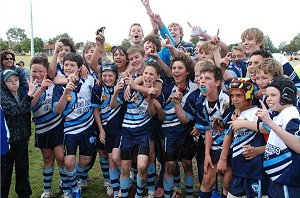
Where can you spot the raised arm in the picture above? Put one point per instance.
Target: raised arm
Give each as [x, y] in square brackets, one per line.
[53, 63]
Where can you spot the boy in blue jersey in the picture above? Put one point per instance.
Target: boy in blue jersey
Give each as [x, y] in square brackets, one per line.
[281, 159]
[48, 125]
[174, 131]
[212, 109]
[137, 127]
[109, 121]
[247, 171]
[74, 102]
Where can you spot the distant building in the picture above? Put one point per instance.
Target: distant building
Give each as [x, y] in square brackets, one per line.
[48, 49]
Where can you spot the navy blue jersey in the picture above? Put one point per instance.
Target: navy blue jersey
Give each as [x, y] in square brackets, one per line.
[171, 124]
[111, 119]
[45, 119]
[252, 169]
[78, 113]
[206, 115]
[281, 163]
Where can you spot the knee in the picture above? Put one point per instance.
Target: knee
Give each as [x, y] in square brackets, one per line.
[170, 168]
[188, 168]
[49, 159]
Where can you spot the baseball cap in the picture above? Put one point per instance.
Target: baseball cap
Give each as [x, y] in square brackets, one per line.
[20, 62]
[7, 73]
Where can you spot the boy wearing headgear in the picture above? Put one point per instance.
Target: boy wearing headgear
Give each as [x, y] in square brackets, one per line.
[248, 177]
[281, 159]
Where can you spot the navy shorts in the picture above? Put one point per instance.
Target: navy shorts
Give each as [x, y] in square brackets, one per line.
[112, 140]
[85, 141]
[172, 147]
[128, 145]
[190, 147]
[278, 190]
[49, 140]
[241, 186]
[99, 144]
[215, 157]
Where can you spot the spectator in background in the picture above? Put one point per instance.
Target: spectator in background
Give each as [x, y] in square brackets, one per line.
[21, 65]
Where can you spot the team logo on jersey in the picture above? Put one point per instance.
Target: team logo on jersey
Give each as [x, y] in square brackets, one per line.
[69, 97]
[104, 97]
[255, 187]
[92, 139]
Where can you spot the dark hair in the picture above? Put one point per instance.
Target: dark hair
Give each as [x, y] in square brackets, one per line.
[68, 42]
[186, 60]
[120, 48]
[212, 69]
[154, 39]
[41, 60]
[155, 65]
[263, 52]
[5, 53]
[75, 58]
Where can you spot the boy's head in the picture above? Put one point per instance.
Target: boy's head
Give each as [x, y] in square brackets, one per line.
[210, 79]
[11, 80]
[39, 67]
[136, 55]
[281, 90]
[136, 34]
[255, 58]
[72, 62]
[198, 67]
[181, 67]
[252, 40]
[150, 40]
[176, 31]
[151, 73]
[266, 70]
[204, 51]
[241, 92]
[68, 46]
[120, 57]
[87, 52]
[109, 74]
[238, 53]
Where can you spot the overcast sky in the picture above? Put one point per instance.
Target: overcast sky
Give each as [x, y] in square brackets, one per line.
[80, 19]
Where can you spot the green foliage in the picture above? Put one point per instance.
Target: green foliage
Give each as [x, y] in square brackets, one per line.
[293, 46]
[126, 43]
[3, 45]
[195, 40]
[269, 44]
[56, 38]
[16, 34]
[231, 46]
[18, 48]
[79, 45]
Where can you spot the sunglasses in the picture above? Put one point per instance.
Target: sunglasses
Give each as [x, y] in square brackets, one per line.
[8, 59]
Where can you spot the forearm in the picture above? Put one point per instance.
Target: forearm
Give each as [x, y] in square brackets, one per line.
[61, 103]
[208, 142]
[292, 141]
[167, 70]
[151, 108]
[60, 80]
[36, 97]
[95, 58]
[53, 66]
[113, 102]
[97, 118]
[181, 114]
[226, 146]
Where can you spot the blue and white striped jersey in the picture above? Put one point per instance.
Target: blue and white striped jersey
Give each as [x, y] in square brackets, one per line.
[137, 121]
[78, 113]
[253, 168]
[206, 115]
[281, 163]
[45, 119]
[171, 124]
[111, 118]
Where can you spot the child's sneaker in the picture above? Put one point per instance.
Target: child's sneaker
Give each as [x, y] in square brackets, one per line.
[67, 195]
[46, 195]
[109, 190]
[176, 192]
[77, 194]
[82, 185]
[59, 190]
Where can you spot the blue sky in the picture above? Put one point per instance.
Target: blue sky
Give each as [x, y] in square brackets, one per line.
[80, 19]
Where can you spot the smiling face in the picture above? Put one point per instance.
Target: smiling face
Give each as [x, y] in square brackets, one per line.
[63, 52]
[179, 73]
[175, 32]
[8, 61]
[109, 78]
[137, 61]
[273, 99]
[149, 76]
[70, 67]
[38, 72]
[250, 44]
[120, 60]
[88, 54]
[253, 61]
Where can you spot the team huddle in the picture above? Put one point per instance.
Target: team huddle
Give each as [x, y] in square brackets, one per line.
[163, 101]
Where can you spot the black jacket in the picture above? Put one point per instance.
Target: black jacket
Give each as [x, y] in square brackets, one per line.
[17, 114]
